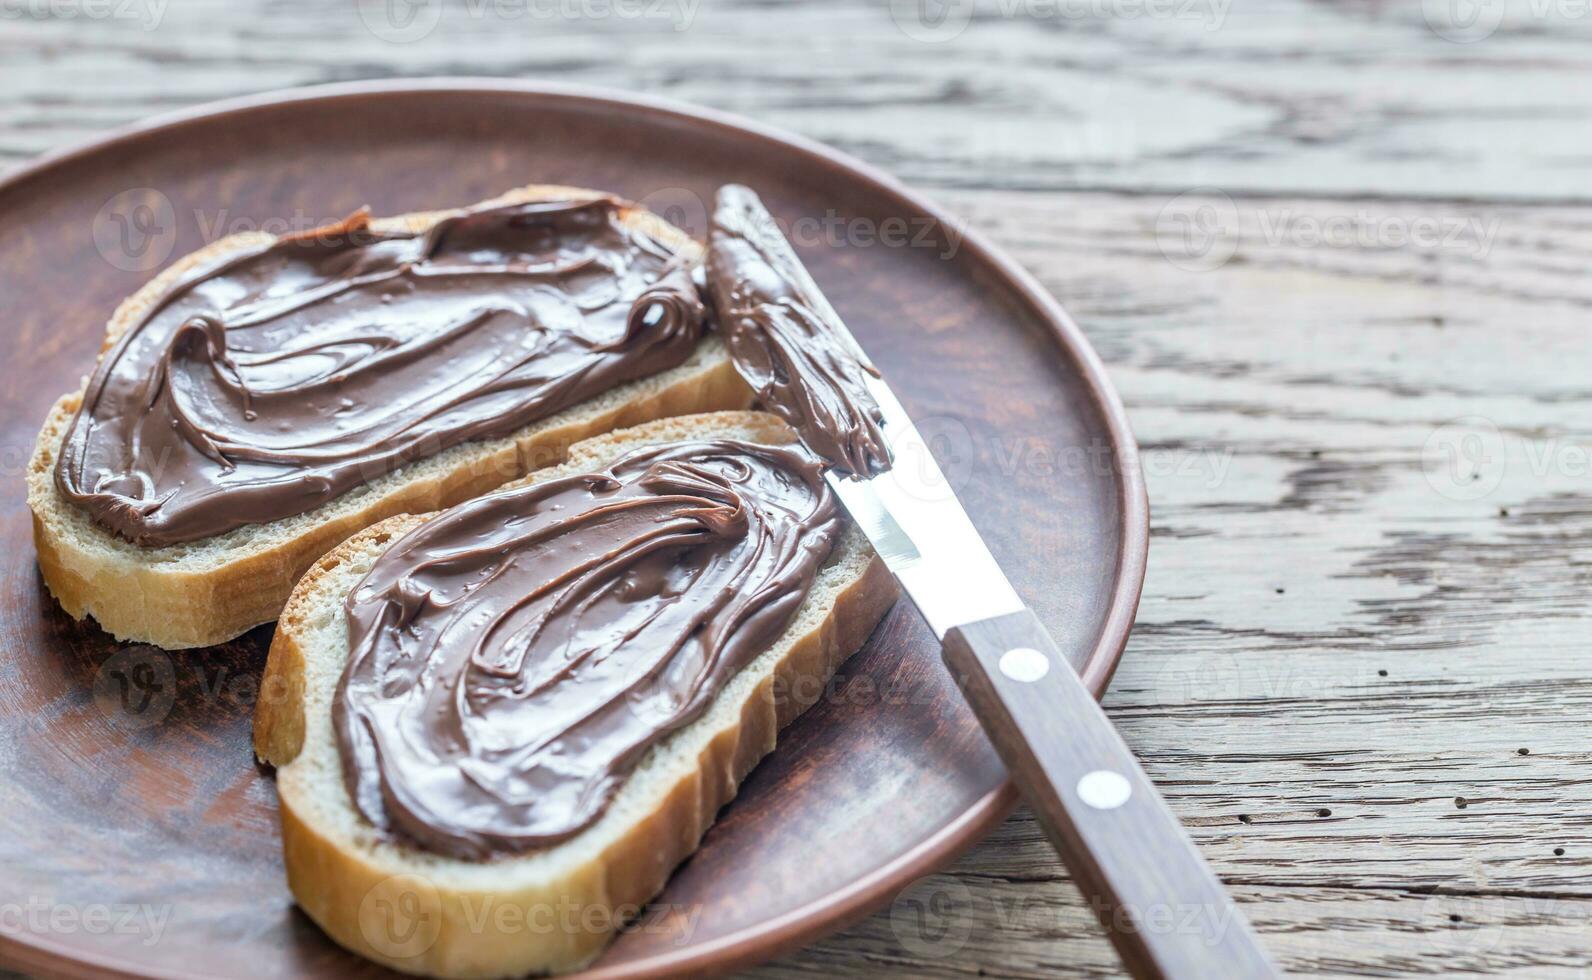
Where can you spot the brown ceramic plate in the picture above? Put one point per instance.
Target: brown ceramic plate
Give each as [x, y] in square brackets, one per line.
[136, 834]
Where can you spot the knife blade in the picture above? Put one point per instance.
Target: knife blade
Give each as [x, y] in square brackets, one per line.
[917, 526]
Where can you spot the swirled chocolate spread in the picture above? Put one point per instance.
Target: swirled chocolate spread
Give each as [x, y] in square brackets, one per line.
[266, 384]
[787, 342]
[511, 661]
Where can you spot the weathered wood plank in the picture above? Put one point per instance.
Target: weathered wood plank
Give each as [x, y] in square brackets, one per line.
[1264, 96]
[974, 922]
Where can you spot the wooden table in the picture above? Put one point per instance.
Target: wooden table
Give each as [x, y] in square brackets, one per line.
[1335, 258]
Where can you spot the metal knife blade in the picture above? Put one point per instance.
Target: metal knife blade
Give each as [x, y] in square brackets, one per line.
[917, 526]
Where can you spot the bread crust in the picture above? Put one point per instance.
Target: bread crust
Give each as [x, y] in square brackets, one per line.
[342, 884]
[185, 596]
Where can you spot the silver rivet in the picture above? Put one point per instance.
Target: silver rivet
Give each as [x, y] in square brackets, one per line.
[1104, 789]
[1024, 664]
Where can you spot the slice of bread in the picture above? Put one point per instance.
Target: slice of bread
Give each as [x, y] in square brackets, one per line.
[554, 909]
[204, 592]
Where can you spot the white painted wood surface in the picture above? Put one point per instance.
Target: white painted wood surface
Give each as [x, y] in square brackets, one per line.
[1360, 671]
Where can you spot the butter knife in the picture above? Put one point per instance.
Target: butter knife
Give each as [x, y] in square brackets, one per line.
[1158, 901]
[1160, 904]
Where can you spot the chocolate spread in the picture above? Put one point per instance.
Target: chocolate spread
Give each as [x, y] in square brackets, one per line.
[787, 341]
[265, 384]
[512, 660]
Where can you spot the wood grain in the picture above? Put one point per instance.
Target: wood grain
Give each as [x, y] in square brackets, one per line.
[1340, 654]
[1284, 400]
[1264, 96]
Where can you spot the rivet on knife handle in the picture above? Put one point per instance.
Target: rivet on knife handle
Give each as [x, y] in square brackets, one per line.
[1159, 902]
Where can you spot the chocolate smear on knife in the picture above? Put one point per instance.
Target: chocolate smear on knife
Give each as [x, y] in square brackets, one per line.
[787, 341]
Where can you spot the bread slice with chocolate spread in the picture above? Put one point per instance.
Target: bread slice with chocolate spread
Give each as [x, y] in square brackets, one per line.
[554, 907]
[200, 592]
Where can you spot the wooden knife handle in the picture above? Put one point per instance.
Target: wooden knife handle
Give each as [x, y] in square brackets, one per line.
[1165, 911]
